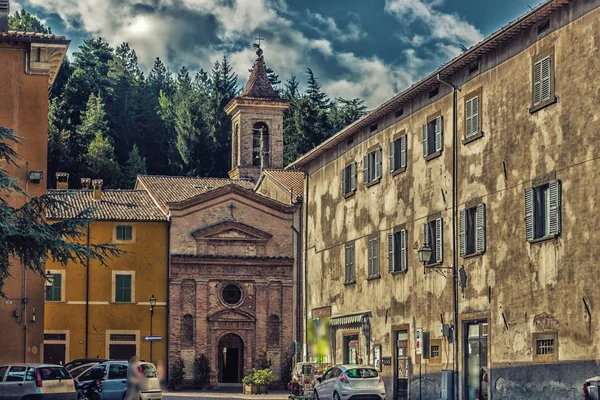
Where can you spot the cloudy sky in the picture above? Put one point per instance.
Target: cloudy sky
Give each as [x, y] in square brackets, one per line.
[370, 49]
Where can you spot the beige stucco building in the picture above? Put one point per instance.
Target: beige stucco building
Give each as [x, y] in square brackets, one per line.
[490, 163]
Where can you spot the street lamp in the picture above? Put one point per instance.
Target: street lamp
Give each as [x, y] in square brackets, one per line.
[49, 279]
[152, 305]
[424, 254]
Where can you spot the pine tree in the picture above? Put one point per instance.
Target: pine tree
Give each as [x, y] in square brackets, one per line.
[317, 97]
[136, 165]
[23, 21]
[25, 234]
[101, 161]
[343, 112]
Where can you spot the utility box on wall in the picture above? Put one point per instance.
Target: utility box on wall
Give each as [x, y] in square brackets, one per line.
[447, 385]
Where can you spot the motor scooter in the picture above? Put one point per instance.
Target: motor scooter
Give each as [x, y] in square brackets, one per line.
[90, 390]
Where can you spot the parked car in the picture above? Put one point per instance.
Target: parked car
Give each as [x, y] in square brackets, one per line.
[114, 384]
[348, 381]
[81, 361]
[40, 381]
[75, 372]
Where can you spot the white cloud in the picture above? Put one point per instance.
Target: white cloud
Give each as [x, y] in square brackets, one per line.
[352, 31]
[440, 25]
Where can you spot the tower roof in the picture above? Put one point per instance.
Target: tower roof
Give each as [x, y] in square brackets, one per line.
[258, 85]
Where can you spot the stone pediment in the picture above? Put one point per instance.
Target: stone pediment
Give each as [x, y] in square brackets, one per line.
[232, 231]
[231, 315]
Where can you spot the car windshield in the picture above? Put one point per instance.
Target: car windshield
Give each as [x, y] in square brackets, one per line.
[149, 370]
[74, 364]
[53, 373]
[362, 373]
[75, 372]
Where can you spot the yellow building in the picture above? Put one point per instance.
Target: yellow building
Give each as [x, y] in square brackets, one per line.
[104, 312]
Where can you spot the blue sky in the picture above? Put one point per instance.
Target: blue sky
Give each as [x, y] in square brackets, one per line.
[370, 49]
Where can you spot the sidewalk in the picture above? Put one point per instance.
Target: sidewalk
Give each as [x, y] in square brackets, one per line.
[225, 394]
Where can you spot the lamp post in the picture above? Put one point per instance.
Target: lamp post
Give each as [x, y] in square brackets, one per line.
[152, 305]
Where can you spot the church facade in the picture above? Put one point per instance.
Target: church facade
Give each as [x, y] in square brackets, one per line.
[234, 287]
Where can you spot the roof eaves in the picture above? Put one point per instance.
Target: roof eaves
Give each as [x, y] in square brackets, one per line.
[392, 103]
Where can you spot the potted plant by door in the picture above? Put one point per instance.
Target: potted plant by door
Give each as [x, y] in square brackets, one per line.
[263, 377]
[249, 385]
[178, 374]
[202, 372]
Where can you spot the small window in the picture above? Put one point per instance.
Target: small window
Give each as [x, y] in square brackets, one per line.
[372, 167]
[398, 154]
[433, 136]
[433, 237]
[260, 145]
[399, 113]
[54, 292]
[123, 288]
[349, 141]
[349, 179]
[232, 294]
[543, 27]
[474, 68]
[373, 254]
[373, 128]
[472, 230]
[543, 211]
[349, 261]
[55, 336]
[472, 117]
[545, 346]
[434, 92]
[397, 251]
[124, 232]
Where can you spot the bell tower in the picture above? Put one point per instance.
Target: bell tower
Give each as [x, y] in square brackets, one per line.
[257, 125]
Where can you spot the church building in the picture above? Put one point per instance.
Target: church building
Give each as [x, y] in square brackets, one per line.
[234, 289]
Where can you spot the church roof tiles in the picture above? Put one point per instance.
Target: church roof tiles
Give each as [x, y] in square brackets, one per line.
[258, 85]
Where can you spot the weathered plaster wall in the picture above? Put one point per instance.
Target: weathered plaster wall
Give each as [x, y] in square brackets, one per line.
[513, 280]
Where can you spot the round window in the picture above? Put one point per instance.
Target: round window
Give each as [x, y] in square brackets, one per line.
[232, 294]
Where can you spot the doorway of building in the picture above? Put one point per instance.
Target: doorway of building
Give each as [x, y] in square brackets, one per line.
[55, 353]
[475, 347]
[401, 370]
[231, 359]
[351, 349]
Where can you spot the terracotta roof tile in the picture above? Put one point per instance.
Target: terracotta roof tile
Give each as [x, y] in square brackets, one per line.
[31, 36]
[115, 205]
[172, 189]
[292, 181]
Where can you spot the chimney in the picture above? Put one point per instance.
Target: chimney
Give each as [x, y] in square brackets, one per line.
[97, 184]
[85, 183]
[4, 10]
[62, 179]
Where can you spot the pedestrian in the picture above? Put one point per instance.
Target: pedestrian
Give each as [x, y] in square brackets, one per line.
[134, 379]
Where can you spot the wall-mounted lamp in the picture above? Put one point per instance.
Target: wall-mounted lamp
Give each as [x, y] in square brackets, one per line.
[36, 176]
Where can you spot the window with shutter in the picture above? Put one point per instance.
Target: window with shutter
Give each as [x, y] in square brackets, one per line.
[372, 167]
[398, 251]
[374, 257]
[349, 179]
[350, 272]
[54, 292]
[403, 250]
[543, 211]
[398, 149]
[366, 170]
[472, 117]
[378, 164]
[463, 232]
[439, 241]
[480, 227]
[393, 156]
[391, 253]
[403, 151]
[432, 233]
[123, 288]
[425, 140]
[439, 130]
[543, 81]
[472, 230]
[433, 141]
[353, 177]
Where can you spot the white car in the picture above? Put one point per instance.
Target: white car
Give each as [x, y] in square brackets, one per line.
[346, 382]
[36, 381]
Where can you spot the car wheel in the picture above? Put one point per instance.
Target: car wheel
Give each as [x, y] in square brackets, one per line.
[316, 395]
[336, 396]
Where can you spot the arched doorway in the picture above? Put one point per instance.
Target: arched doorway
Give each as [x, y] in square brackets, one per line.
[231, 359]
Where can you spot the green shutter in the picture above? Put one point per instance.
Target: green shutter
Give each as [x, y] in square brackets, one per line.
[480, 228]
[54, 292]
[391, 248]
[463, 232]
[529, 218]
[123, 288]
[554, 224]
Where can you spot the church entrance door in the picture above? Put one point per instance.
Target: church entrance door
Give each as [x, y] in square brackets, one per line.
[231, 359]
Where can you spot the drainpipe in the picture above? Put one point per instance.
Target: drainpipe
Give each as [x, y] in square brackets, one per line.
[455, 91]
[299, 285]
[305, 265]
[87, 293]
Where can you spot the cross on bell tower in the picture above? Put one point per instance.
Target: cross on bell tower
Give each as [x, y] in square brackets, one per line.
[257, 124]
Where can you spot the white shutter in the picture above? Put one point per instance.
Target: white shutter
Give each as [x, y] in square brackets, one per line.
[376, 256]
[403, 151]
[463, 232]
[439, 240]
[425, 142]
[529, 219]
[537, 82]
[366, 168]
[480, 228]
[392, 156]
[426, 234]
[347, 263]
[439, 130]
[352, 265]
[403, 250]
[344, 181]
[545, 78]
[469, 118]
[475, 116]
[555, 208]
[378, 164]
[353, 176]
[370, 257]
[391, 253]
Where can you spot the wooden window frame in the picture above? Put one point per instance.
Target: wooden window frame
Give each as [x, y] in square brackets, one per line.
[479, 134]
[372, 175]
[350, 189]
[432, 359]
[114, 287]
[553, 99]
[133, 233]
[548, 335]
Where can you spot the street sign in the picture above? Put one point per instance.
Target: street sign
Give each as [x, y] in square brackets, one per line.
[418, 341]
[152, 338]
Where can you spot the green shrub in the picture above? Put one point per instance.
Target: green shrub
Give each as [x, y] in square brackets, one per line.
[178, 372]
